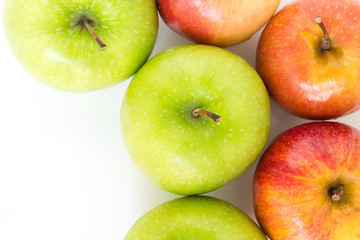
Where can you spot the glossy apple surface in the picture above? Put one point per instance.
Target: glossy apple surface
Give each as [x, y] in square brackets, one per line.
[44, 38]
[307, 184]
[217, 22]
[182, 153]
[195, 217]
[303, 79]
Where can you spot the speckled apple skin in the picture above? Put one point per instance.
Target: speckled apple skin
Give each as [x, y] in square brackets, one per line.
[220, 22]
[42, 37]
[301, 79]
[196, 217]
[187, 155]
[292, 179]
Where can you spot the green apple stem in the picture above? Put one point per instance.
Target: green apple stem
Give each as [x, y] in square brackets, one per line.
[325, 44]
[198, 111]
[93, 34]
[336, 193]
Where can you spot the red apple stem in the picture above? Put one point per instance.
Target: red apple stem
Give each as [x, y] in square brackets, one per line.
[197, 112]
[337, 193]
[325, 43]
[94, 35]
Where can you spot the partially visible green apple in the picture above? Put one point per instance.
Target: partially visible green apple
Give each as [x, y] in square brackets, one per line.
[195, 217]
[178, 148]
[50, 40]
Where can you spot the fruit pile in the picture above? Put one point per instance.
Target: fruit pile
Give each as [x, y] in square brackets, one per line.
[205, 111]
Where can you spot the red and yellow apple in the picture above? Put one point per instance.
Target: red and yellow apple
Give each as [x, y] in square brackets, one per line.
[217, 22]
[304, 76]
[307, 184]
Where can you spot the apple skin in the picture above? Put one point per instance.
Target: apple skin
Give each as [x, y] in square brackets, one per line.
[220, 22]
[195, 217]
[293, 179]
[43, 39]
[187, 155]
[298, 76]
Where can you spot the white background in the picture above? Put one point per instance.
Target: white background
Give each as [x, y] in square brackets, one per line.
[64, 170]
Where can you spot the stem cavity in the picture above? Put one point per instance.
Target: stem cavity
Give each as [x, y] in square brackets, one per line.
[336, 193]
[198, 111]
[83, 20]
[325, 43]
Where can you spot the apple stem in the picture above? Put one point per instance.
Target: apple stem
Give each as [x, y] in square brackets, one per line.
[325, 43]
[198, 111]
[336, 193]
[93, 34]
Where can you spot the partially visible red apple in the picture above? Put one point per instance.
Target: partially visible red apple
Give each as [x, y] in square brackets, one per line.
[302, 74]
[217, 22]
[307, 184]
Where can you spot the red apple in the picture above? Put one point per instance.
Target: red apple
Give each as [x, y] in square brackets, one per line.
[307, 184]
[217, 22]
[310, 73]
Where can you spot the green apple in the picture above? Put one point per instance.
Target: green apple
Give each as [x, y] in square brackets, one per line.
[164, 128]
[195, 217]
[52, 40]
